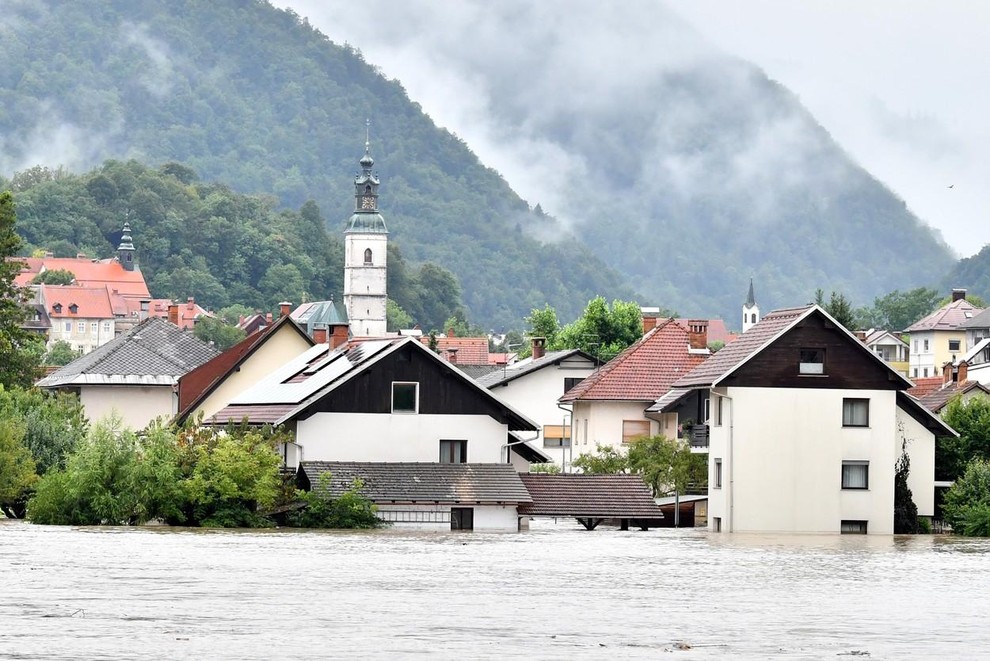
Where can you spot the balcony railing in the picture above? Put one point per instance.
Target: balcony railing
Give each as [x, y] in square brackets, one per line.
[698, 437]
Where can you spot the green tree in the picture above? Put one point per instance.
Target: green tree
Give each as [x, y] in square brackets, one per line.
[973, 299]
[667, 465]
[544, 323]
[905, 510]
[222, 336]
[18, 364]
[61, 353]
[232, 314]
[605, 460]
[838, 306]
[54, 277]
[604, 330]
[53, 423]
[17, 469]
[349, 510]
[396, 318]
[967, 503]
[971, 419]
[898, 310]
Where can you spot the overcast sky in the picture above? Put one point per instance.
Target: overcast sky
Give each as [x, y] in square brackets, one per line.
[902, 85]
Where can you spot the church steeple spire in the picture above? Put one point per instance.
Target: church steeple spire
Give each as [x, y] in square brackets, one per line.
[366, 183]
[750, 310]
[125, 249]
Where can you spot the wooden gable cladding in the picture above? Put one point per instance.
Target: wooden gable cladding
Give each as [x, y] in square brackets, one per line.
[848, 362]
[441, 389]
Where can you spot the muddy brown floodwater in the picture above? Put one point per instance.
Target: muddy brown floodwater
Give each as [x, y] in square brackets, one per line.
[555, 592]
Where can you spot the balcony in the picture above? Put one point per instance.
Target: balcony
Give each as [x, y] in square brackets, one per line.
[698, 438]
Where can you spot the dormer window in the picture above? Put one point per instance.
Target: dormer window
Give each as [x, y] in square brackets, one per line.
[812, 361]
[73, 308]
[57, 308]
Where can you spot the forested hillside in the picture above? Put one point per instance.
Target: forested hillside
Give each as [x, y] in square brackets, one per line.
[973, 273]
[255, 98]
[689, 182]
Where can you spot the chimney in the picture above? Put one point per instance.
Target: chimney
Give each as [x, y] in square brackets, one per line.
[958, 295]
[539, 347]
[173, 314]
[450, 332]
[284, 308]
[698, 333]
[268, 318]
[338, 335]
[649, 323]
[190, 302]
[948, 374]
[452, 355]
[145, 304]
[963, 375]
[860, 335]
[320, 335]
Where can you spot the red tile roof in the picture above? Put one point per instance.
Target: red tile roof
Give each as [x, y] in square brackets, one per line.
[91, 302]
[644, 371]
[925, 385]
[717, 330]
[469, 350]
[89, 273]
[947, 317]
[936, 399]
[582, 495]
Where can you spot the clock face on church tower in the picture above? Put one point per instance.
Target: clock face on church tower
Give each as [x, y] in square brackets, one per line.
[367, 202]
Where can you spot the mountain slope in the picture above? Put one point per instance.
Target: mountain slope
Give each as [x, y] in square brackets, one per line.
[254, 97]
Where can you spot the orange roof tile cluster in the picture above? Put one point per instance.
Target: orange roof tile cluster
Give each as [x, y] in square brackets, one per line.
[466, 350]
[925, 385]
[717, 330]
[645, 370]
[188, 312]
[69, 301]
[89, 273]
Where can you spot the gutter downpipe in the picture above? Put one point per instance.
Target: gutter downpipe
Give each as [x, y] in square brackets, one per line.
[506, 446]
[568, 415]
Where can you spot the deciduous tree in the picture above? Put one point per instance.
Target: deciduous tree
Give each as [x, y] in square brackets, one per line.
[19, 365]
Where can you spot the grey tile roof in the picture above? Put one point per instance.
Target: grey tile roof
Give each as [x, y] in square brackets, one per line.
[735, 353]
[153, 352]
[515, 371]
[981, 320]
[478, 371]
[405, 482]
[582, 495]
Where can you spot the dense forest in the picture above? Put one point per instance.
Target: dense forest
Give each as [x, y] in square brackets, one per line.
[972, 273]
[706, 176]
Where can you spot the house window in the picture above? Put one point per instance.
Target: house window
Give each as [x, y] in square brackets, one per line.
[462, 518]
[926, 373]
[853, 527]
[633, 429]
[926, 345]
[718, 411]
[812, 361]
[571, 381]
[953, 345]
[855, 475]
[855, 412]
[405, 397]
[93, 327]
[556, 436]
[81, 327]
[106, 326]
[717, 478]
[915, 374]
[367, 256]
[708, 410]
[68, 327]
[585, 442]
[716, 524]
[453, 452]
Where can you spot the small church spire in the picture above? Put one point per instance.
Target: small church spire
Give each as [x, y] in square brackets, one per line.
[750, 310]
[750, 298]
[125, 249]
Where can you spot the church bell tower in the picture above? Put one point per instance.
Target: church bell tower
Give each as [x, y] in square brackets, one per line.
[365, 243]
[750, 310]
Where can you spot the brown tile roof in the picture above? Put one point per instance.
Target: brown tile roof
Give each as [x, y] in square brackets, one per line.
[188, 311]
[717, 330]
[470, 350]
[196, 385]
[91, 302]
[925, 385]
[89, 273]
[747, 344]
[407, 482]
[581, 495]
[935, 400]
[947, 317]
[256, 414]
[644, 371]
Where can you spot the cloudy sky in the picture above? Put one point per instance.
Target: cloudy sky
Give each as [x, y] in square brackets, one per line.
[902, 85]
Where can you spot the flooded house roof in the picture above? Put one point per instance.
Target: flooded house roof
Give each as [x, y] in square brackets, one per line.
[583, 495]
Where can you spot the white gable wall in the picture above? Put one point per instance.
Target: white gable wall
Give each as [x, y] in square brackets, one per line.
[398, 437]
[137, 405]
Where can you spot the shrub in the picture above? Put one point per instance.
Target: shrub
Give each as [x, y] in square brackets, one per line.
[321, 510]
[967, 503]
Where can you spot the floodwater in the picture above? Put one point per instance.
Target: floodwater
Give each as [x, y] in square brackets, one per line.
[555, 592]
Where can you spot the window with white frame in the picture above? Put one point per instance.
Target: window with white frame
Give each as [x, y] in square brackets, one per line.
[106, 326]
[953, 345]
[68, 327]
[453, 452]
[717, 477]
[93, 327]
[81, 327]
[855, 412]
[718, 410]
[855, 475]
[925, 345]
[405, 397]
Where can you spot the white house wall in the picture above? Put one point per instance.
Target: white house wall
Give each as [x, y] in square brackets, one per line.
[604, 423]
[137, 405]
[398, 437]
[784, 469]
[921, 451]
[489, 518]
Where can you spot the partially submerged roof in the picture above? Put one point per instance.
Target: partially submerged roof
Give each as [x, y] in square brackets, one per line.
[948, 317]
[197, 384]
[769, 329]
[524, 367]
[643, 371]
[585, 496]
[154, 352]
[408, 482]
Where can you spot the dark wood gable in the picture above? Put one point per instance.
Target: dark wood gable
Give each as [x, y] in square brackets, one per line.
[847, 362]
[441, 389]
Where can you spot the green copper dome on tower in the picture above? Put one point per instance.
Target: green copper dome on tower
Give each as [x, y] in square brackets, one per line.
[366, 218]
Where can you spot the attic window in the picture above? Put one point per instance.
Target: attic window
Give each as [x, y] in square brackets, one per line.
[812, 361]
[57, 308]
[73, 308]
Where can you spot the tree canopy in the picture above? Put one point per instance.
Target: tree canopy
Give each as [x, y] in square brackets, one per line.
[602, 330]
[20, 352]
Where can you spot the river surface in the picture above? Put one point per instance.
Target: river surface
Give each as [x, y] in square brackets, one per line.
[555, 592]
